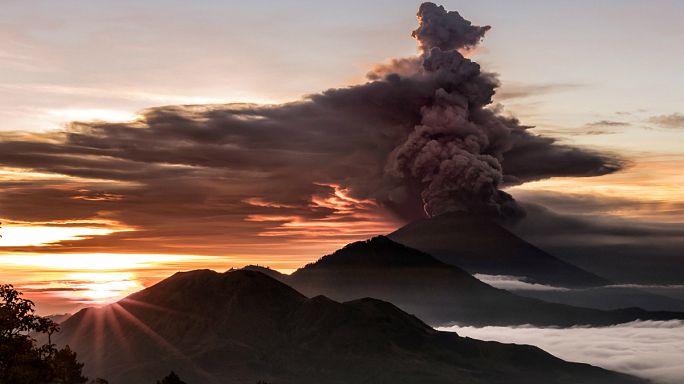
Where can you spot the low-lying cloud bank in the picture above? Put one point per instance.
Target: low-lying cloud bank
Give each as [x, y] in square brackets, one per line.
[647, 296]
[518, 283]
[515, 283]
[648, 349]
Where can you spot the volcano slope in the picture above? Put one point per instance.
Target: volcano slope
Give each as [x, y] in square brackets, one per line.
[480, 245]
[438, 293]
[242, 326]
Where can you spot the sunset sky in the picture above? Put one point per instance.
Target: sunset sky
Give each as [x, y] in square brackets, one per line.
[84, 225]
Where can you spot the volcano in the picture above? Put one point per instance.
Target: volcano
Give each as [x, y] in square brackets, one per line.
[480, 245]
[438, 293]
[243, 327]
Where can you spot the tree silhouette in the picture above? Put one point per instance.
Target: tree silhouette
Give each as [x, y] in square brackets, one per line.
[22, 360]
[171, 378]
[66, 369]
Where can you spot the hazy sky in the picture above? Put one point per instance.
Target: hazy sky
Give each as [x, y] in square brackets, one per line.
[602, 74]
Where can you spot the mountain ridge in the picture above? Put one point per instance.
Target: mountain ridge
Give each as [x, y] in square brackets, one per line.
[480, 245]
[264, 330]
[438, 293]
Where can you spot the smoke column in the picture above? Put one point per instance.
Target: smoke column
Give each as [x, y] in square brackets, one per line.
[455, 154]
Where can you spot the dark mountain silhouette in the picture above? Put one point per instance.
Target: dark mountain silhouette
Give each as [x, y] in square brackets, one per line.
[243, 326]
[480, 245]
[436, 292]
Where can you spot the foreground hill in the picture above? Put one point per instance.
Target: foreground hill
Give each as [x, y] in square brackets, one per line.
[436, 292]
[243, 326]
[479, 245]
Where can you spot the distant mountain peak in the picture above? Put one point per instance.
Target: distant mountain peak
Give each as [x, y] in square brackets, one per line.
[268, 271]
[209, 289]
[480, 245]
[380, 251]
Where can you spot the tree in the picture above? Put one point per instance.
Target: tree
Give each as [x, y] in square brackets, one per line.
[65, 368]
[22, 360]
[171, 378]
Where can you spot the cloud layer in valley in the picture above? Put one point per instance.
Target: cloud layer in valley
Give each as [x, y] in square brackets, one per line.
[649, 349]
[515, 283]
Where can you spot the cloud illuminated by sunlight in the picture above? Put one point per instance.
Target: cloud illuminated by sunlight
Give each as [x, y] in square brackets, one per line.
[93, 114]
[649, 182]
[87, 287]
[95, 261]
[21, 236]
[349, 217]
[60, 283]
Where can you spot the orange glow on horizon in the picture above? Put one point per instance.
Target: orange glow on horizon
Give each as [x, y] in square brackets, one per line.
[40, 235]
[652, 188]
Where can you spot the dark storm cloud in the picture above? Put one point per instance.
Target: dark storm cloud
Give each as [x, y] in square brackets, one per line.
[419, 137]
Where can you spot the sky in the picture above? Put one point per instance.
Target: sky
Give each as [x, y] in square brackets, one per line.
[79, 229]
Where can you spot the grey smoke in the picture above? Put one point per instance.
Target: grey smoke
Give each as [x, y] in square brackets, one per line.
[445, 30]
[455, 154]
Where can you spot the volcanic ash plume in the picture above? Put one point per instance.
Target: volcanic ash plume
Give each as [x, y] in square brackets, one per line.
[420, 137]
[455, 153]
[445, 30]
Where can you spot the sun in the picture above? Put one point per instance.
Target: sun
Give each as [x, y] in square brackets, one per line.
[103, 287]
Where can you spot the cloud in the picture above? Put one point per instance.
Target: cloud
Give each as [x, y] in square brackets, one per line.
[519, 91]
[445, 30]
[649, 286]
[608, 123]
[515, 283]
[419, 137]
[588, 231]
[518, 283]
[652, 297]
[593, 132]
[645, 207]
[675, 120]
[649, 349]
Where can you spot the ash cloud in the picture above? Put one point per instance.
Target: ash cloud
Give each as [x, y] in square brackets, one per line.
[456, 154]
[421, 137]
[445, 30]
